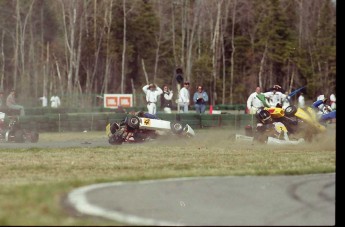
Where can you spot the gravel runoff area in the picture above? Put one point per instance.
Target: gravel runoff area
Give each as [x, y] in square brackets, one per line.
[234, 200]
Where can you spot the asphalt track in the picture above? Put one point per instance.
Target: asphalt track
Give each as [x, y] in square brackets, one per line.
[303, 200]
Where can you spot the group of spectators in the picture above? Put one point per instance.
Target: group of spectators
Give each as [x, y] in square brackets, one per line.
[275, 97]
[55, 101]
[152, 92]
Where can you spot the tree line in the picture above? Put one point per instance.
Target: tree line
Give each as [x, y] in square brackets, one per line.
[79, 48]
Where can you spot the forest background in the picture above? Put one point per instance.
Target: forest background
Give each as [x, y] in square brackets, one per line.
[79, 49]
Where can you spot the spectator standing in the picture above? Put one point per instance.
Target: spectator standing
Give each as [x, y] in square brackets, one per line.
[12, 104]
[275, 97]
[255, 101]
[184, 97]
[200, 99]
[332, 100]
[301, 101]
[321, 97]
[44, 100]
[166, 99]
[152, 92]
[286, 101]
[55, 101]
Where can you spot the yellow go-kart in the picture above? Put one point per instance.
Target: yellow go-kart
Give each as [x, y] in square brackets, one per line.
[302, 123]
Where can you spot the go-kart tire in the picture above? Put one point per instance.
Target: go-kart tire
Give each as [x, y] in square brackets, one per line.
[133, 122]
[115, 140]
[9, 136]
[176, 127]
[19, 136]
[34, 136]
[114, 127]
[290, 111]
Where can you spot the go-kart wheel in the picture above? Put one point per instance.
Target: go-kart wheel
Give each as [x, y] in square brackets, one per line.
[133, 122]
[115, 140]
[290, 111]
[34, 137]
[176, 127]
[19, 136]
[114, 127]
[9, 136]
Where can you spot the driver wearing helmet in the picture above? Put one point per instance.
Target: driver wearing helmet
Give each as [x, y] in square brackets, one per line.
[266, 127]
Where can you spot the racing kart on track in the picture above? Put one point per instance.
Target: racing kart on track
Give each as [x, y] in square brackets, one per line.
[13, 132]
[141, 127]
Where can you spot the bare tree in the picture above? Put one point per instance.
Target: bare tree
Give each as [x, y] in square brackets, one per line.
[124, 43]
[2, 62]
[232, 51]
[215, 52]
[69, 39]
[123, 46]
[190, 41]
[223, 31]
[107, 21]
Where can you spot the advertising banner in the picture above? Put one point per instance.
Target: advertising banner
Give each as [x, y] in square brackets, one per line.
[115, 100]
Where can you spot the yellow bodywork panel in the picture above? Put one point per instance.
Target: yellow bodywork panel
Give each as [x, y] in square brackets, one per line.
[275, 112]
[107, 129]
[310, 116]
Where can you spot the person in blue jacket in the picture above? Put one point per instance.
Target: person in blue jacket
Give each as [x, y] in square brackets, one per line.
[200, 99]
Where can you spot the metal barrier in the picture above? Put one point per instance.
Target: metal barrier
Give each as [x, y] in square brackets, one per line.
[97, 121]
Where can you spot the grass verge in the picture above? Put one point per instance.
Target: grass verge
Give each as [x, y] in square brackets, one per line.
[35, 180]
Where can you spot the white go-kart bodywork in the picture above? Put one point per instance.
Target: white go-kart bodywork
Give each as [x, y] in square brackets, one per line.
[270, 140]
[157, 124]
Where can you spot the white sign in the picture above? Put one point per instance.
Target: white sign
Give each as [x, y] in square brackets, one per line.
[115, 100]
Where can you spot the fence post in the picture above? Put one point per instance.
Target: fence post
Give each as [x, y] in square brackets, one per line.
[91, 122]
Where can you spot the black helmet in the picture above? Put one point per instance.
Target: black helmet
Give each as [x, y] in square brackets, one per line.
[263, 116]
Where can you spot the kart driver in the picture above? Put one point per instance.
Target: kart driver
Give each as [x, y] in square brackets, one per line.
[266, 127]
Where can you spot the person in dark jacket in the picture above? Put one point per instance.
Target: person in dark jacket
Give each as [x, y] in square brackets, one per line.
[166, 99]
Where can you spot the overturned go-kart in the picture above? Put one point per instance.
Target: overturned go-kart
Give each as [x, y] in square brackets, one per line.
[300, 124]
[139, 129]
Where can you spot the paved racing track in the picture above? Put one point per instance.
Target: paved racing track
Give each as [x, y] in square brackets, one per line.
[249, 200]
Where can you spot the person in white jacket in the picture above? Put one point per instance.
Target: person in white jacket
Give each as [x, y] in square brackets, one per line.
[275, 97]
[152, 92]
[55, 101]
[255, 101]
[332, 100]
[184, 97]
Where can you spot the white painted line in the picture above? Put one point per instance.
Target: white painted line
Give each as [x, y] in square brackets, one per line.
[78, 199]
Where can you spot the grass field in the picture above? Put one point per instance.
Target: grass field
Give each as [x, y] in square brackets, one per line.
[35, 181]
